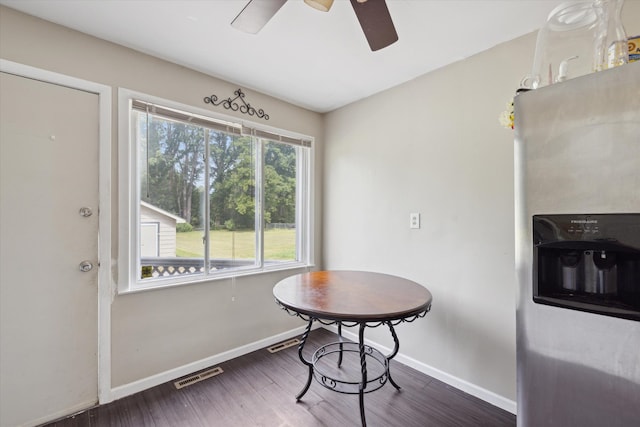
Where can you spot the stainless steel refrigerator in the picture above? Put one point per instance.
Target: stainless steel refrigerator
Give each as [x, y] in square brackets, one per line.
[577, 159]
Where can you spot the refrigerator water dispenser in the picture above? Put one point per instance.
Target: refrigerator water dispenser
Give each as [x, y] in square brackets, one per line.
[588, 262]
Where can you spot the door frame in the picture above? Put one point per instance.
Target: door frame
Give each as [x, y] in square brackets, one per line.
[105, 285]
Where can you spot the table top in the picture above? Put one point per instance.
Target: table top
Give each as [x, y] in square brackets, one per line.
[352, 296]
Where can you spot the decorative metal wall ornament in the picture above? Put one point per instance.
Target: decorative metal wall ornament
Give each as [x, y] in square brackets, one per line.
[232, 104]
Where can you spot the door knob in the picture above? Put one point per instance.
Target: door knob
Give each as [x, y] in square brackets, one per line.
[85, 211]
[86, 266]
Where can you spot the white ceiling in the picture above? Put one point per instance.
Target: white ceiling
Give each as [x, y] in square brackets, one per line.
[320, 61]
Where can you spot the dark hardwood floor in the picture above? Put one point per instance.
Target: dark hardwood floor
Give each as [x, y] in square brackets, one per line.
[259, 389]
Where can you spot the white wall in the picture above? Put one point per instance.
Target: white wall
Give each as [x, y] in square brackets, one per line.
[160, 330]
[434, 146]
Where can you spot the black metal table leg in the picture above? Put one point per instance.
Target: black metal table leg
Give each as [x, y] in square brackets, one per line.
[396, 347]
[363, 367]
[303, 340]
[341, 345]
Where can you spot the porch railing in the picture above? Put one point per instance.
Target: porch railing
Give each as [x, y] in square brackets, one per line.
[175, 266]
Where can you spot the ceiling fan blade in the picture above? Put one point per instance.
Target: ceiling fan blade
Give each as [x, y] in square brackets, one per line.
[376, 23]
[256, 14]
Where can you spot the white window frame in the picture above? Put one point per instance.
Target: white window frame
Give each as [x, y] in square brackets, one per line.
[129, 201]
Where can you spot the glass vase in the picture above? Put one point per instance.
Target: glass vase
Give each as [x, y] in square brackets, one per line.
[611, 48]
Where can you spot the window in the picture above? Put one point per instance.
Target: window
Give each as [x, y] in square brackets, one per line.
[206, 197]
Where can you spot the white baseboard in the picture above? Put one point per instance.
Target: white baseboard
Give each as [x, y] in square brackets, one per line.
[172, 374]
[470, 388]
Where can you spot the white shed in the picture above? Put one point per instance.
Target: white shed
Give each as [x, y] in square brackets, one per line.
[157, 231]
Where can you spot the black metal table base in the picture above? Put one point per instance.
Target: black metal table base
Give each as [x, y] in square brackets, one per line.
[365, 384]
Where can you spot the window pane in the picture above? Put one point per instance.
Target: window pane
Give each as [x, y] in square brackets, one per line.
[280, 162]
[232, 195]
[171, 168]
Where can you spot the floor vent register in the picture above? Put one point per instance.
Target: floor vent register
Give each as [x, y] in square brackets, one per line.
[200, 376]
[283, 345]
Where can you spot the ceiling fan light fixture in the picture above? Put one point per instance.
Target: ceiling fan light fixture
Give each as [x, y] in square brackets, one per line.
[323, 5]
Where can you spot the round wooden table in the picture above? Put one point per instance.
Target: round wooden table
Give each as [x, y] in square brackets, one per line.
[351, 298]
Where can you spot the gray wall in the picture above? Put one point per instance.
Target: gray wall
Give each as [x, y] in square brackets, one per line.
[434, 146]
[160, 330]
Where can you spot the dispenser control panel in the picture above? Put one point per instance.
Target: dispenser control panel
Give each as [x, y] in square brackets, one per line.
[623, 228]
[583, 226]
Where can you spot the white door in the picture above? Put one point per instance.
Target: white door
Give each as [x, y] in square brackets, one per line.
[48, 307]
[149, 236]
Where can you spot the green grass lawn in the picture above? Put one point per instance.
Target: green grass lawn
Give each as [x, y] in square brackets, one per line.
[278, 244]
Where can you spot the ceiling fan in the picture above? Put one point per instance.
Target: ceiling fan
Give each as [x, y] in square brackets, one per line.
[373, 16]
